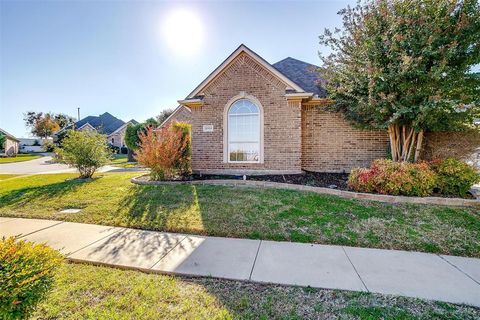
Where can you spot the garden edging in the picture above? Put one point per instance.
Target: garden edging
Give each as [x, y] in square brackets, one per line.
[456, 202]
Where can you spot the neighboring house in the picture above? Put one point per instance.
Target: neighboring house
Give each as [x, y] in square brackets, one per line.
[11, 144]
[106, 124]
[32, 144]
[249, 116]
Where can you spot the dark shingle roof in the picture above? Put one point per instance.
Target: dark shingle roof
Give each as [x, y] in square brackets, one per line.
[303, 74]
[105, 123]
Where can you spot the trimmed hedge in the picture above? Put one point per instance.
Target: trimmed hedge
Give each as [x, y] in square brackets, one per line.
[394, 178]
[454, 177]
[26, 275]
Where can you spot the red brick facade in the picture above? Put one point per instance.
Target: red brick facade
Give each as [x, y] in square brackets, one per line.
[282, 123]
[330, 144]
[181, 114]
[295, 137]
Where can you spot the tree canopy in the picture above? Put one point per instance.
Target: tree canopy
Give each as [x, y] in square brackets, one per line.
[405, 66]
[46, 124]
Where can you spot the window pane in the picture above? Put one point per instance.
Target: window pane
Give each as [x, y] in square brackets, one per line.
[244, 128]
[243, 131]
[243, 106]
[244, 151]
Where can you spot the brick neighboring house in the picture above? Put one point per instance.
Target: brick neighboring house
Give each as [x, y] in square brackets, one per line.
[11, 146]
[106, 124]
[249, 116]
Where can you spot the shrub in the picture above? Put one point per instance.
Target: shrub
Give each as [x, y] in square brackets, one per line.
[85, 150]
[26, 273]
[454, 177]
[395, 178]
[167, 151]
[48, 146]
[114, 149]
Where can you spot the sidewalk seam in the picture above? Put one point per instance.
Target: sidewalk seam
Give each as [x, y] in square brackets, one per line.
[354, 268]
[53, 225]
[88, 245]
[168, 252]
[255, 260]
[450, 263]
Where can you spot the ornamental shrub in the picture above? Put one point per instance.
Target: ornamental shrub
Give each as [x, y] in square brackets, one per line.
[454, 177]
[85, 150]
[166, 151]
[394, 178]
[26, 275]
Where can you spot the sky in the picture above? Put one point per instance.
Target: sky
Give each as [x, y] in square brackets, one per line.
[134, 59]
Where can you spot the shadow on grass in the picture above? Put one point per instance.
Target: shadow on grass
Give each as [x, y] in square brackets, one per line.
[22, 196]
[161, 208]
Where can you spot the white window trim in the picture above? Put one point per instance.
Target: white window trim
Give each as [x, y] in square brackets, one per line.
[242, 95]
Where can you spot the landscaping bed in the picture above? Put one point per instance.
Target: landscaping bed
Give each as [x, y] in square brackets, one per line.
[314, 179]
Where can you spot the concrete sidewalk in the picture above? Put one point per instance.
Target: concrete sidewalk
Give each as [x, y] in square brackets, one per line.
[412, 274]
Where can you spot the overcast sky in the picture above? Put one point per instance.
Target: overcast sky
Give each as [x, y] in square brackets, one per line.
[134, 59]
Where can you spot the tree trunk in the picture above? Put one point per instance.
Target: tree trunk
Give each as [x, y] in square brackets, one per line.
[405, 142]
[130, 156]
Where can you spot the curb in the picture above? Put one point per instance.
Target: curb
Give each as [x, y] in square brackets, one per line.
[454, 202]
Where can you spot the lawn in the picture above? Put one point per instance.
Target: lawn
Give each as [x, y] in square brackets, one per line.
[20, 157]
[89, 292]
[121, 160]
[7, 176]
[285, 215]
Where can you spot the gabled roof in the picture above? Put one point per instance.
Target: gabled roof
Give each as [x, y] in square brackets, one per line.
[177, 110]
[244, 49]
[105, 123]
[8, 135]
[133, 121]
[302, 73]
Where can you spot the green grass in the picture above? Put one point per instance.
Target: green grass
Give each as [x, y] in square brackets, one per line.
[20, 157]
[111, 199]
[90, 292]
[121, 160]
[7, 176]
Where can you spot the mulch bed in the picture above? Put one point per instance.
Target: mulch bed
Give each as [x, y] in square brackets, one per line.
[314, 179]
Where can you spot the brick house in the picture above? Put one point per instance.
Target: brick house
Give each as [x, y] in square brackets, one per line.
[250, 116]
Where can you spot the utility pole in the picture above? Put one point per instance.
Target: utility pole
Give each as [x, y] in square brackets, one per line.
[78, 113]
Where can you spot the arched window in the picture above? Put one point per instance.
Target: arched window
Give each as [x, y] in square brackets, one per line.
[243, 135]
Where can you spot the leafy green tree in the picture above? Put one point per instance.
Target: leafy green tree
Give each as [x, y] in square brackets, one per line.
[85, 150]
[163, 116]
[3, 139]
[63, 120]
[404, 66]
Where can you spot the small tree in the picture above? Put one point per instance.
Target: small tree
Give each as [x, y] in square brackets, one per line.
[404, 66]
[132, 140]
[165, 151]
[85, 150]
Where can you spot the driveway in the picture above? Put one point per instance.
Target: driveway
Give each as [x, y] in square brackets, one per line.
[46, 165]
[40, 165]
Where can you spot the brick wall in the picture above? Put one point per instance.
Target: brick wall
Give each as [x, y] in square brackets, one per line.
[282, 122]
[181, 114]
[463, 145]
[330, 144]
